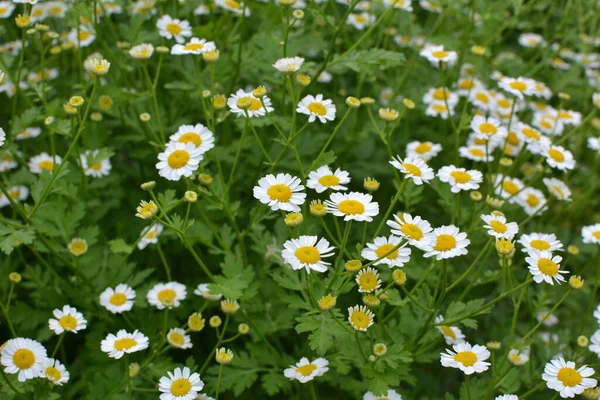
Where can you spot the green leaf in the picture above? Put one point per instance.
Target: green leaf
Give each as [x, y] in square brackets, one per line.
[326, 158]
[366, 60]
[274, 382]
[324, 329]
[119, 246]
[24, 120]
[167, 199]
[16, 238]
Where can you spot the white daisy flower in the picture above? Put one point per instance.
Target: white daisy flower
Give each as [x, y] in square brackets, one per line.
[93, 167]
[305, 370]
[560, 158]
[564, 377]
[8, 163]
[179, 339]
[24, 357]
[27, 133]
[67, 320]
[84, 37]
[488, 128]
[391, 394]
[360, 21]
[43, 162]
[381, 246]
[180, 385]
[482, 99]
[459, 178]
[198, 134]
[150, 235]
[360, 318]
[591, 233]
[518, 87]
[166, 295]
[424, 150]
[446, 242]
[413, 229]
[234, 6]
[352, 206]
[517, 357]
[546, 318]
[178, 159]
[142, 51]
[498, 227]
[281, 192]
[558, 188]
[54, 371]
[6, 9]
[414, 168]
[123, 343]
[17, 194]
[288, 65]
[452, 334]
[204, 291]
[439, 110]
[593, 143]
[475, 153]
[509, 188]
[568, 117]
[531, 40]
[548, 123]
[507, 397]
[324, 178]
[437, 55]
[532, 201]
[540, 242]
[119, 299]
[256, 109]
[172, 28]
[316, 107]
[307, 252]
[194, 46]
[368, 280]
[440, 95]
[594, 346]
[544, 267]
[469, 359]
[430, 6]
[405, 5]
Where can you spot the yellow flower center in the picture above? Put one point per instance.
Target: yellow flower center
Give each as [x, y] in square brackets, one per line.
[181, 387]
[532, 200]
[565, 115]
[444, 242]
[23, 358]
[448, 331]
[466, 358]
[439, 108]
[67, 322]
[546, 124]
[193, 47]
[477, 152]
[151, 234]
[78, 247]
[482, 97]
[173, 29]
[317, 108]
[556, 155]
[3, 10]
[308, 255]
[307, 369]
[96, 167]
[83, 35]
[360, 319]
[488, 129]
[125, 343]
[423, 148]
[178, 159]
[547, 266]
[596, 234]
[504, 103]
[412, 169]
[191, 137]
[412, 231]
[167, 296]
[280, 192]
[360, 19]
[233, 4]
[47, 165]
[540, 244]
[517, 85]
[118, 299]
[569, 377]
[351, 207]
[510, 187]
[498, 226]
[177, 338]
[256, 105]
[440, 94]
[329, 180]
[513, 138]
[386, 248]
[460, 176]
[440, 54]
[367, 281]
[53, 373]
[466, 84]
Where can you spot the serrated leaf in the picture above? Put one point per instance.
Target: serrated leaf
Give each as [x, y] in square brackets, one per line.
[119, 246]
[366, 60]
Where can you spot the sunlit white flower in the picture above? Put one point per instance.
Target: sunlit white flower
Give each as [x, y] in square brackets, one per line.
[28, 133]
[194, 46]
[475, 152]
[593, 143]
[558, 188]
[256, 109]
[179, 339]
[439, 110]
[508, 187]
[460, 178]
[367, 280]
[204, 291]
[498, 227]
[232, 5]
[488, 128]
[54, 371]
[172, 28]
[179, 159]
[180, 385]
[324, 178]
[560, 158]
[452, 334]
[150, 235]
[361, 21]
[518, 87]
[391, 394]
[539, 242]
[591, 233]
[413, 229]
[531, 40]
[288, 65]
[82, 37]
[119, 299]
[438, 55]
[281, 192]
[198, 134]
[67, 320]
[544, 267]
[532, 201]
[307, 252]
[446, 242]
[24, 357]
[405, 5]
[546, 318]
[469, 359]
[17, 194]
[360, 318]
[352, 206]
[43, 162]
[382, 246]
[594, 346]
[6, 9]
[316, 107]
[424, 150]
[564, 377]
[92, 166]
[517, 357]
[305, 370]
[440, 95]
[166, 295]
[123, 343]
[142, 51]
[414, 168]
